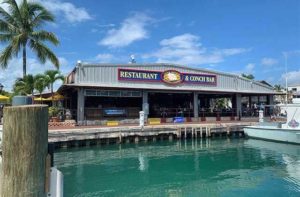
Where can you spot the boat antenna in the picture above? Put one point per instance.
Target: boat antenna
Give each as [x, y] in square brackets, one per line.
[286, 86]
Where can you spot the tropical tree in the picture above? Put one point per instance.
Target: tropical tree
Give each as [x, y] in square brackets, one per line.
[221, 103]
[20, 27]
[40, 83]
[278, 88]
[51, 77]
[248, 76]
[24, 86]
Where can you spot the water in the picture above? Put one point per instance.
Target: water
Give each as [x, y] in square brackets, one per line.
[223, 167]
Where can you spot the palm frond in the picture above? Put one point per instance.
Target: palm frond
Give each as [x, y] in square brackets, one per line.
[39, 14]
[6, 55]
[40, 82]
[53, 76]
[18, 41]
[5, 16]
[14, 10]
[43, 52]
[6, 37]
[25, 85]
[7, 27]
[45, 36]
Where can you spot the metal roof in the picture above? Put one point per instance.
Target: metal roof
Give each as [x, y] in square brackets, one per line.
[105, 75]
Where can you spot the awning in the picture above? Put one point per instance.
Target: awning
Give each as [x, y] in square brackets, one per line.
[4, 98]
[40, 99]
[56, 97]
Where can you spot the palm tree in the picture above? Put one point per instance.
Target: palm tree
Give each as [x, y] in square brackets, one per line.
[51, 77]
[250, 76]
[24, 86]
[278, 88]
[40, 83]
[21, 27]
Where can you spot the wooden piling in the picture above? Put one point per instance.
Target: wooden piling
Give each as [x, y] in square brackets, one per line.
[200, 132]
[170, 137]
[25, 144]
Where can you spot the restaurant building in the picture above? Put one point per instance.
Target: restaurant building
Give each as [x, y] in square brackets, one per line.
[120, 91]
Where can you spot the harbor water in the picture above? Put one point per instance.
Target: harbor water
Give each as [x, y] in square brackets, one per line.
[203, 167]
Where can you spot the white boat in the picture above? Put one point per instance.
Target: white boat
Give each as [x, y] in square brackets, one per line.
[288, 132]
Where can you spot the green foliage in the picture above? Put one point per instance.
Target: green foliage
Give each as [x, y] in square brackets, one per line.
[278, 88]
[249, 76]
[40, 83]
[24, 86]
[53, 111]
[5, 93]
[20, 27]
[51, 76]
[221, 103]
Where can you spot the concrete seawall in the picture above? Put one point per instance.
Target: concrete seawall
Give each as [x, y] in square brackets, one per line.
[120, 134]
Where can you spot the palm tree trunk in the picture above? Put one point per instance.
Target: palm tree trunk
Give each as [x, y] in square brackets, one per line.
[41, 97]
[52, 94]
[32, 98]
[24, 61]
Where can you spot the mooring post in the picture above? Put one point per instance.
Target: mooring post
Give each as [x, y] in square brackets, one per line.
[25, 144]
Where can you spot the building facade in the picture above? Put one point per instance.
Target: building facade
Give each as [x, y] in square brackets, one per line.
[120, 91]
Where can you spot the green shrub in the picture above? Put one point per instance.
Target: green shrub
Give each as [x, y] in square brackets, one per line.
[53, 111]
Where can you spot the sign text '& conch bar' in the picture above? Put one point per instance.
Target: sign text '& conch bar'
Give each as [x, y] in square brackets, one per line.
[168, 76]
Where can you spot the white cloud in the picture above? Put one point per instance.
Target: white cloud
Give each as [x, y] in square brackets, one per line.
[187, 49]
[293, 77]
[250, 68]
[104, 58]
[105, 25]
[70, 12]
[131, 29]
[14, 70]
[268, 61]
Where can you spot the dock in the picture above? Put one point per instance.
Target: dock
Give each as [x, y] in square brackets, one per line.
[133, 134]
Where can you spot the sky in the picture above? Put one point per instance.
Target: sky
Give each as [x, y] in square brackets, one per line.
[256, 37]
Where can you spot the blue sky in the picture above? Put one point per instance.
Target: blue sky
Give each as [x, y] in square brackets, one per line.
[235, 36]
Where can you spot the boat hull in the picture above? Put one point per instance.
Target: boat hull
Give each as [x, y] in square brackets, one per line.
[273, 134]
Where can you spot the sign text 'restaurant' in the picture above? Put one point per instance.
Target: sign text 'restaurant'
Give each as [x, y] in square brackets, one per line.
[156, 76]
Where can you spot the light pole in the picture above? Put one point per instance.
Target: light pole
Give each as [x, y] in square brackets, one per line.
[286, 86]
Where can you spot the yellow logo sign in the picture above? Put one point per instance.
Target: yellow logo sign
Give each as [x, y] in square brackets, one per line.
[172, 77]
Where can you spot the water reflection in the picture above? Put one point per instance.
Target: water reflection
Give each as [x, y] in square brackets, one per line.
[219, 167]
[288, 154]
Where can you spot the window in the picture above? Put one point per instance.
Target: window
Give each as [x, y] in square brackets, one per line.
[113, 93]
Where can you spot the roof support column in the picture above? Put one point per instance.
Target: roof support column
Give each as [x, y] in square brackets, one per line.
[238, 105]
[196, 107]
[145, 105]
[270, 99]
[80, 106]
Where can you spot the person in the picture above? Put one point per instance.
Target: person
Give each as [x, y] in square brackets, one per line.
[164, 113]
[180, 112]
